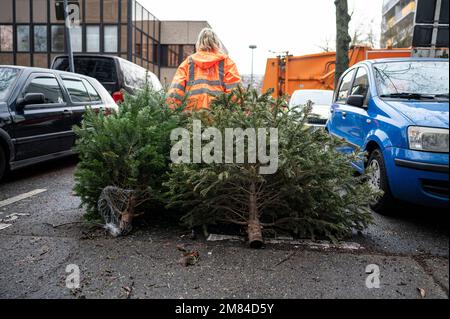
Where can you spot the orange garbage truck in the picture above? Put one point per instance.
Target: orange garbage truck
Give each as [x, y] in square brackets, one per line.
[286, 74]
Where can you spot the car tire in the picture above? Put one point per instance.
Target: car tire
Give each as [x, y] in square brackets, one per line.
[3, 165]
[379, 180]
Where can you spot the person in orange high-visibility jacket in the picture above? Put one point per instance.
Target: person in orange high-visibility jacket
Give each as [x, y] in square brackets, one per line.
[204, 75]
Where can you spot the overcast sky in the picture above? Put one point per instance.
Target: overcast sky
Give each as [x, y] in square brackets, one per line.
[300, 26]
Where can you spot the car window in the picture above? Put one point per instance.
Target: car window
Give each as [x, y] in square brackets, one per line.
[103, 92]
[49, 86]
[7, 79]
[361, 84]
[345, 87]
[77, 90]
[92, 92]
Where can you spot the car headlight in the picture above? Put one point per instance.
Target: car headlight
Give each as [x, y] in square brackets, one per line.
[428, 139]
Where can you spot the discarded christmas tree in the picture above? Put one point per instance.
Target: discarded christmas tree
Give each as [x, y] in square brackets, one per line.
[285, 176]
[124, 157]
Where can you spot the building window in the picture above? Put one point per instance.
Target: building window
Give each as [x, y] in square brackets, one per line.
[187, 51]
[93, 38]
[40, 38]
[110, 38]
[57, 38]
[173, 54]
[76, 38]
[138, 44]
[6, 38]
[138, 18]
[23, 38]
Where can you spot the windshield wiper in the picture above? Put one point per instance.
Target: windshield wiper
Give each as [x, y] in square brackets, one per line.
[409, 96]
[445, 96]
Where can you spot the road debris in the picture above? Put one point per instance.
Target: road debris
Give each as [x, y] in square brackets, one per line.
[190, 258]
[422, 292]
[129, 290]
[13, 217]
[286, 259]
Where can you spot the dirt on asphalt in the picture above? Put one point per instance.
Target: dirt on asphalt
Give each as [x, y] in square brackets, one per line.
[48, 234]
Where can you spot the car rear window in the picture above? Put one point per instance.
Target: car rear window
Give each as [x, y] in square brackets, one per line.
[77, 90]
[102, 69]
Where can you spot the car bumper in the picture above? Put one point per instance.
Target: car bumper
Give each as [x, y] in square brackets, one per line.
[418, 177]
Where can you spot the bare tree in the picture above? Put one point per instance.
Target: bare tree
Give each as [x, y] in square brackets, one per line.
[328, 45]
[343, 39]
[364, 35]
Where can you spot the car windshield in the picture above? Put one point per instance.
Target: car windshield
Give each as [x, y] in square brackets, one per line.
[412, 79]
[317, 97]
[7, 78]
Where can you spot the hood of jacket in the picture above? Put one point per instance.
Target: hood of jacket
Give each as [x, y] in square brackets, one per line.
[206, 60]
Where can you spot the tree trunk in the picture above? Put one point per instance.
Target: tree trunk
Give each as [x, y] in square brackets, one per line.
[343, 39]
[126, 221]
[255, 237]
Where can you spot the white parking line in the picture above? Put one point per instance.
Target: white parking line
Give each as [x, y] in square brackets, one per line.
[3, 226]
[18, 198]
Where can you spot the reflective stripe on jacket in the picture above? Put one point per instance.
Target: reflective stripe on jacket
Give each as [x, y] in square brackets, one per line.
[201, 77]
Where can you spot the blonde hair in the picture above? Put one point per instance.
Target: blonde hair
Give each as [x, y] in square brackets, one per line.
[208, 41]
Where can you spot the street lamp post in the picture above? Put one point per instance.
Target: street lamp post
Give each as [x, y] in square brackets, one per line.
[68, 37]
[252, 47]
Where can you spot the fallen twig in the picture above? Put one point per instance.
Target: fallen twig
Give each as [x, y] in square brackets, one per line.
[286, 258]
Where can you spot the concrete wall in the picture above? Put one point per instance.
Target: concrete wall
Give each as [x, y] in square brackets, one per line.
[179, 32]
[167, 75]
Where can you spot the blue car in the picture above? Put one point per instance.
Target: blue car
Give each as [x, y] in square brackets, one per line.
[397, 111]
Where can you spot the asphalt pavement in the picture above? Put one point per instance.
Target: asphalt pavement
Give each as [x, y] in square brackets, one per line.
[43, 234]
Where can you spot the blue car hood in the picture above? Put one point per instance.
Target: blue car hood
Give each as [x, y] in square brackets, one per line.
[421, 113]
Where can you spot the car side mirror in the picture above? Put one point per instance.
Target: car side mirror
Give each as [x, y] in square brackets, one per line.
[356, 100]
[30, 98]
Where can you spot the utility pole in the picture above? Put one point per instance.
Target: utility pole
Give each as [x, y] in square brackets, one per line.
[68, 38]
[252, 47]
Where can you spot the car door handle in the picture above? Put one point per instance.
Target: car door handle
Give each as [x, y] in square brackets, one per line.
[344, 115]
[67, 113]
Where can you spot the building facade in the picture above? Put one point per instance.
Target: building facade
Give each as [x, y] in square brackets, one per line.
[397, 23]
[178, 40]
[32, 33]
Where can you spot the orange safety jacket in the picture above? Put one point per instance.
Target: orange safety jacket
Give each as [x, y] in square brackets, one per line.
[201, 77]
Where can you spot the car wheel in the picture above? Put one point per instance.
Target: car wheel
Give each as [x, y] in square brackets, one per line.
[378, 180]
[2, 163]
